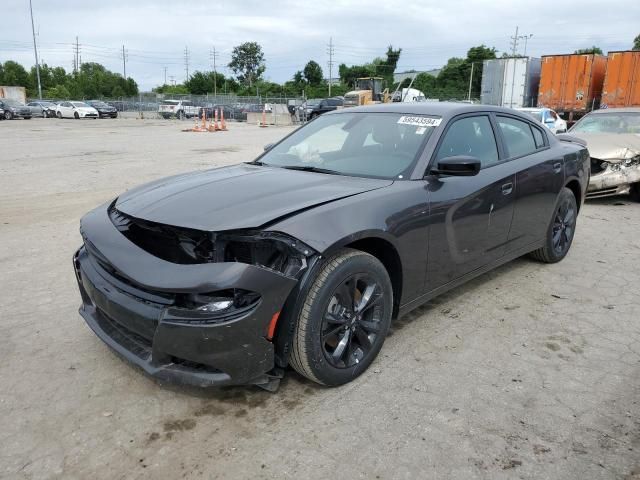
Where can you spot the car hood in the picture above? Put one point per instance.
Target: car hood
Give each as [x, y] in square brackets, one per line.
[611, 146]
[239, 196]
[86, 109]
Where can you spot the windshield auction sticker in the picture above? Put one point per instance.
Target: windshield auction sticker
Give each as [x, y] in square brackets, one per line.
[419, 121]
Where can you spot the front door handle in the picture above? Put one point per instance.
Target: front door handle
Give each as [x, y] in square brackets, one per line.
[557, 167]
[507, 188]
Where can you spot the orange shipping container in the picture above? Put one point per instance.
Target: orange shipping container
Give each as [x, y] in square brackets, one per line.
[622, 83]
[571, 83]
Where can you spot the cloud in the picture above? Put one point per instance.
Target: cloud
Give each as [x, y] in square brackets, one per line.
[155, 33]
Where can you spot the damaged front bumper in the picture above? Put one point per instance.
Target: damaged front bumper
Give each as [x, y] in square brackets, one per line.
[613, 177]
[130, 299]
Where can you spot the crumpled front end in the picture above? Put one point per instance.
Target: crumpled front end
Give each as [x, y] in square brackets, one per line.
[613, 176]
[187, 307]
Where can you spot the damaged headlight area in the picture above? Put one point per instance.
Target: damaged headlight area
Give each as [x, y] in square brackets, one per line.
[600, 166]
[213, 307]
[272, 250]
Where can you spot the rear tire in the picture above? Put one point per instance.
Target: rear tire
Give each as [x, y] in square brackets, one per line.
[561, 229]
[344, 319]
[634, 193]
[8, 115]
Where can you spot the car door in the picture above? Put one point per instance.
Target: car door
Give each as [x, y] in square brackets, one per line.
[35, 108]
[470, 215]
[65, 109]
[539, 178]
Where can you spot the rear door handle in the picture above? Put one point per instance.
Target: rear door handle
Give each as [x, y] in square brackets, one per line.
[557, 167]
[507, 188]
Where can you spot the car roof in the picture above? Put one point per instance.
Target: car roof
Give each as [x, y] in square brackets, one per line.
[442, 109]
[616, 110]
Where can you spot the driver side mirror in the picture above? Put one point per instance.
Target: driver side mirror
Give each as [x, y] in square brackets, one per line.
[268, 146]
[458, 165]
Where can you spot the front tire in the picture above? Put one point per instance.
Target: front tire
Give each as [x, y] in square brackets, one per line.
[59, 115]
[344, 319]
[634, 193]
[8, 115]
[76, 116]
[561, 229]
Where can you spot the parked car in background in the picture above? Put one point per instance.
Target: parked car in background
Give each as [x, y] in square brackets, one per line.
[547, 117]
[178, 108]
[323, 106]
[613, 140]
[103, 109]
[353, 219]
[1, 113]
[75, 110]
[15, 109]
[41, 108]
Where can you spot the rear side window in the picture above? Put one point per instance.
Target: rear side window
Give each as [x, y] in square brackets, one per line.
[518, 137]
[538, 137]
[471, 136]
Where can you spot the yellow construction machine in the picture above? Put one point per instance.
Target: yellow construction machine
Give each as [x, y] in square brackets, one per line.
[368, 91]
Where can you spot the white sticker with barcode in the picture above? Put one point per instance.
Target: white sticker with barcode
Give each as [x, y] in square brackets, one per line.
[419, 121]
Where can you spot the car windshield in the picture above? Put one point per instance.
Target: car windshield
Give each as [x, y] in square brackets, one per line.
[628, 122]
[79, 104]
[99, 104]
[380, 145]
[12, 103]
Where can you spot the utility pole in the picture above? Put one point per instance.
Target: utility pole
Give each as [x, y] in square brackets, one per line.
[514, 43]
[35, 50]
[213, 55]
[76, 58]
[330, 51]
[470, 81]
[186, 62]
[165, 76]
[526, 37]
[124, 62]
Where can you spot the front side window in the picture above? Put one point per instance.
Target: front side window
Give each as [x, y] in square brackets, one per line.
[518, 137]
[380, 145]
[472, 136]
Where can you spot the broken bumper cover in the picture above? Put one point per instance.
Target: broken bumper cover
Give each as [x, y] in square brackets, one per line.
[616, 179]
[128, 300]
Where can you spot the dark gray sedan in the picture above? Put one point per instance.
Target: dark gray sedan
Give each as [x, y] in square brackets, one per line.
[304, 256]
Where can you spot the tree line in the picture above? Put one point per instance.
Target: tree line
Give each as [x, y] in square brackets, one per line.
[91, 80]
[248, 65]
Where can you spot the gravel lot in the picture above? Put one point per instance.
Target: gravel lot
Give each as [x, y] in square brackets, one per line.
[530, 371]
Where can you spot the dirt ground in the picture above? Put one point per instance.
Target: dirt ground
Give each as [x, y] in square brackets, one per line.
[530, 371]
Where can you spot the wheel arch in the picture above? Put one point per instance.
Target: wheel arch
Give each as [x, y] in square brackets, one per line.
[574, 185]
[377, 243]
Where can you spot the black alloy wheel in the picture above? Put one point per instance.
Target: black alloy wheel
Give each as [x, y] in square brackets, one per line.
[342, 318]
[564, 224]
[561, 229]
[352, 321]
[8, 115]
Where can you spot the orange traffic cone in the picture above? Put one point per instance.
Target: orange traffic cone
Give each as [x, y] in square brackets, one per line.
[264, 116]
[215, 121]
[223, 125]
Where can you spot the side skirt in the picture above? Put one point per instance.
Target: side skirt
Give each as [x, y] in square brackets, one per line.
[421, 300]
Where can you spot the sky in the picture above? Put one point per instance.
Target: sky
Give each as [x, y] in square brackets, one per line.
[156, 33]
